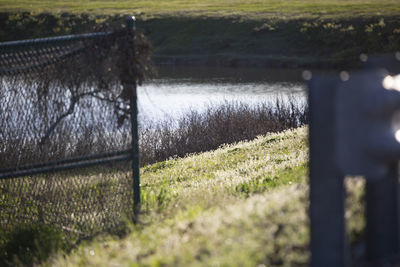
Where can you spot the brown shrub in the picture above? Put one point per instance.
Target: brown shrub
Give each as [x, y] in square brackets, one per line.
[227, 123]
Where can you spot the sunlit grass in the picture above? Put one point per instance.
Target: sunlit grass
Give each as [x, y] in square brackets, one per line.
[252, 8]
[231, 171]
[229, 33]
[240, 205]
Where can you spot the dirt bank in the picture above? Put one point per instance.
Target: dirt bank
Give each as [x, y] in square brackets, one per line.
[231, 41]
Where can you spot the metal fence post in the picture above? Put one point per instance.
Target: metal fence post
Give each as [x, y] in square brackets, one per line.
[328, 239]
[47, 144]
[134, 122]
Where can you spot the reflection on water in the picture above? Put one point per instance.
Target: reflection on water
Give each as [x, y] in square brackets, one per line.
[52, 126]
[175, 91]
[178, 89]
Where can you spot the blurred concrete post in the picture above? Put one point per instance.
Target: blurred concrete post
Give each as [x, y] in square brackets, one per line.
[382, 231]
[328, 236]
[367, 145]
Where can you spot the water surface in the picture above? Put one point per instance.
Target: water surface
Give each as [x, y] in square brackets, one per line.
[179, 89]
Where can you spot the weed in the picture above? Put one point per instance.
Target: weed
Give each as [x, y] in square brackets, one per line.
[228, 123]
[30, 244]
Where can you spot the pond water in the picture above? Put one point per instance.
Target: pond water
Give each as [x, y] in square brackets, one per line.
[174, 92]
[179, 89]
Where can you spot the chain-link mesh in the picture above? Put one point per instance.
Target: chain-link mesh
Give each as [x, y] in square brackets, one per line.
[66, 101]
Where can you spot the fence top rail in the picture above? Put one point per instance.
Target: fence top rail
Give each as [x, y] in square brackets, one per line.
[57, 39]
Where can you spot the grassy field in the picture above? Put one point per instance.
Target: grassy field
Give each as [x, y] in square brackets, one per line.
[240, 205]
[262, 33]
[245, 9]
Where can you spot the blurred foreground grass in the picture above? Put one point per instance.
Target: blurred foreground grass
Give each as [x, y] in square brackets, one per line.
[240, 205]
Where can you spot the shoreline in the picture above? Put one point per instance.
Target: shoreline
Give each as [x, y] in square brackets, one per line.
[253, 61]
[334, 43]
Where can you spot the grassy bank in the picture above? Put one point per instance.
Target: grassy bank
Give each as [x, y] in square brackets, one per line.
[192, 132]
[229, 33]
[240, 205]
[250, 8]
[61, 209]
[226, 123]
[320, 42]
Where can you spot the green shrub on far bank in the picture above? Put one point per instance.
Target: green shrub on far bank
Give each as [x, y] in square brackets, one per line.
[16, 26]
[347, 39]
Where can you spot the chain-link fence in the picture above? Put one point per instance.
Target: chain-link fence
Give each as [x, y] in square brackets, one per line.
[69, 102]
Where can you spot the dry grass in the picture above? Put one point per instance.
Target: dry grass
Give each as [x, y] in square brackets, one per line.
[92, 132]
[227, 123]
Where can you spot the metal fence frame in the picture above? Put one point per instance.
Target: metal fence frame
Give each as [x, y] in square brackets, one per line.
[77, 162]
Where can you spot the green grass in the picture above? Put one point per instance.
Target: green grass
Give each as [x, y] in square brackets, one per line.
[240, 205]
[249, 8]
[275, 42]
[261, 33]
[234, 170]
